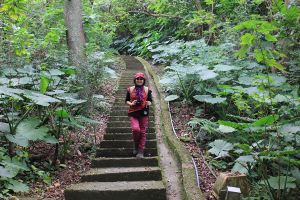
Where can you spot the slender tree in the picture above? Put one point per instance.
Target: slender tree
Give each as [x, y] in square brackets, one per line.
[75, 33]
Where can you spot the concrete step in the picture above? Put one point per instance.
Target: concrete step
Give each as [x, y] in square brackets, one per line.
[125, 108]
[125, 130]
[124, 162]
[124, 144]
[135, 190]
[124, 113]
[122, 174]
[124, 118]
[123, 152]
[125, 136]
[124, 123]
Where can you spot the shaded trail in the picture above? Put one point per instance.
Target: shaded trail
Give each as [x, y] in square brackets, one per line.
[116, 174]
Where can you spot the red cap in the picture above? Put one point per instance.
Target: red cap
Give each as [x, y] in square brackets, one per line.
[139, 75]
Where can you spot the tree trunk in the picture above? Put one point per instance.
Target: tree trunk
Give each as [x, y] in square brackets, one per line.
[198, 4]
[75, 34]
[76, 45]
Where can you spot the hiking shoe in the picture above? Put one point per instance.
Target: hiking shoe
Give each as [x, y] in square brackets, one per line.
[134, 152]
[140, 155]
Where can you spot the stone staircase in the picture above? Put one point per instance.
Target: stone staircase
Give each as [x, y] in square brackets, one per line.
[116, 174]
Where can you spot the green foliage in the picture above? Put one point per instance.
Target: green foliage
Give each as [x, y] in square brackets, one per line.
[220, 148]
[39, 91]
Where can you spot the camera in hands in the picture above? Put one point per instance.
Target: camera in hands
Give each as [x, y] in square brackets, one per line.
[138, 103]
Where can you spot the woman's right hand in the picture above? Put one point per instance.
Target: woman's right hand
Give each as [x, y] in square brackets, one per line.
[133, 102]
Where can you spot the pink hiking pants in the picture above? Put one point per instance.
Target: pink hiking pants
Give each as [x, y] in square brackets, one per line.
[139, 126]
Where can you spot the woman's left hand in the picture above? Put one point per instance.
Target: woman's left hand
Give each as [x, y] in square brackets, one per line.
[149, 103]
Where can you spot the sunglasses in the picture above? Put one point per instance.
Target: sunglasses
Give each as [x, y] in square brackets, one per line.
[139, 79]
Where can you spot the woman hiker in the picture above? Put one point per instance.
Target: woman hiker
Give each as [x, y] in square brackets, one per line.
[139, 98]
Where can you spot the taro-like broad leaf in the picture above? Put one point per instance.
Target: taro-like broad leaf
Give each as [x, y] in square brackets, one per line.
[220, 148]
[224, 68]
[246, 80]
[11, 92]
[281, 98]
[54, 92]
[241, 163]
[17, 186]
[226, 129]
[296, 174]
[281, 182]
[209, 99]
[28, 128]
[289, 128]
[18, 139]
[207, 74]
[171, 97]
[39, 98]
[239, 167]
[244, 159]
[5, 173]
[4, 127]
[56, 72]
[14, 163]
[50, 139]
[69, 99]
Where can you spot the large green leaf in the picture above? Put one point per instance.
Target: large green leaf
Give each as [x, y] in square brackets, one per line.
[226, 129]
[60, 112]
[28, 128]
[14, 166]
[4, 127]
[40, 99]
[50, 139]
[224, 68]
[266, 120]
[5, 173]
[241, 164]
[209, 99]
[289, 128]
[17, 186]
[280, 182]
[15, 93]
[56, 72]
[70, 99]
[220, 148]
[239, 167]
[171, 97]
[44, 84]
[247, 39]
[18, 139]
[207, 74]
[233, 124]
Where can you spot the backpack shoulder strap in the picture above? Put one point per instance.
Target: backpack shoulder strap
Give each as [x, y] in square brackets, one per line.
[146, 90]
[131, 89]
